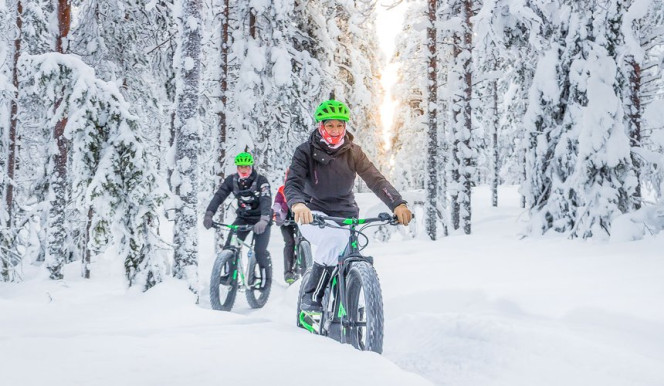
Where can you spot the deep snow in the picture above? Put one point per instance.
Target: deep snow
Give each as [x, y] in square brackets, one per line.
[492, 308]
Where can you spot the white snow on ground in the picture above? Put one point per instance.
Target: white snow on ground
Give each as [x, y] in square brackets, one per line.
[485, 309]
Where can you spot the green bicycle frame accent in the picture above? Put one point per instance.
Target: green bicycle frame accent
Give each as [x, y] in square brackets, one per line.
[354, 221]
[342, 310]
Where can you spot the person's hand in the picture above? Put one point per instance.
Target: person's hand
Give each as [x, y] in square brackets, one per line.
[207, 220]
[260, 226]
[403, 214]
[302, 213]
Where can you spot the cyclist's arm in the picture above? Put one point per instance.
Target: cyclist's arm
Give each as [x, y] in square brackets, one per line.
[265, 199]
[375, 180]
[222, 193]
[298, 173]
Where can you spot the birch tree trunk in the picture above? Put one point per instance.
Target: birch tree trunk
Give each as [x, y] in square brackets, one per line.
[187, 126]
[495, 167]
[13, 111]
[223, 129]
[463, 144]
[432, 134]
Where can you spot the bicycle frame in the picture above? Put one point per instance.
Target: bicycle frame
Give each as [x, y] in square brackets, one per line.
[298, 240]
[236, 246]
[351, 253]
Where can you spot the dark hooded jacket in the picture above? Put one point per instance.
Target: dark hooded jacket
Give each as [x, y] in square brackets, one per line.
[253, 196]
[323, 178]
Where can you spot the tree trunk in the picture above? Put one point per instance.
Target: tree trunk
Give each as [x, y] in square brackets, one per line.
[57, 250]
[223, 128]
[634, 123]
[87, 254]
[187, 144]
[432, 151]
[11, 150]
[455, 175]
[494, 139]
[468, 159]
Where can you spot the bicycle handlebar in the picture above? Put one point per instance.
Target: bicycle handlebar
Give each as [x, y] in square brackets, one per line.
[289, 222]
[233, 227]
[383, 217]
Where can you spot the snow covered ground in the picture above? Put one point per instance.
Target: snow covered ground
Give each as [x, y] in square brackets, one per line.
[486, 309]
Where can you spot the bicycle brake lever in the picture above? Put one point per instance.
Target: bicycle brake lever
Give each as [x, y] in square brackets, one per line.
[318, 222]
[385, 216]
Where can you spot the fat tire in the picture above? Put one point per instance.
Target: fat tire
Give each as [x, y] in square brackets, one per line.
[216, 302]
[362, 280]
[258, 297]
[303, 283]
[305, 258]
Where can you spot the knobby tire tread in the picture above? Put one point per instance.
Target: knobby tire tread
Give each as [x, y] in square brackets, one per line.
[215, 279]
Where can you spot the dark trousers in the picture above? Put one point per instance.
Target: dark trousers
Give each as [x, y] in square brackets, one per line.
[260, 241]
[288, 232]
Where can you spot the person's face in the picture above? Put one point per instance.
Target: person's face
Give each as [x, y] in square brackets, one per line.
[334, 127]
[244, 170]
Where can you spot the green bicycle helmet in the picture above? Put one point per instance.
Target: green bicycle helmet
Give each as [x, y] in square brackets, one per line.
[244, 159]
[332, 110]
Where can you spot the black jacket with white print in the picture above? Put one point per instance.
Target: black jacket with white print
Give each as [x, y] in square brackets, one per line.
[323, 178]
[252, 193]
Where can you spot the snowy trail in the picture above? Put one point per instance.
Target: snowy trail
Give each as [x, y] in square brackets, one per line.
[489, 309]
[84, 334]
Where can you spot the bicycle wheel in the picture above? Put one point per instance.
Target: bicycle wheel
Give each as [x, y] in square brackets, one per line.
[260, 283]
[305, 278]
[223, 282]
[364, 308]
[304, 257]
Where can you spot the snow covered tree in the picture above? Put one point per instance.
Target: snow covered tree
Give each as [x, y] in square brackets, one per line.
[357, 80]
[57, 230]
[187, 140]
[508, 35]
[263, 87]
[108, 177]
[603, 181]
[126, 42]
[582, 170]
[410, 91]
[9, 48]
[215, 54]
[463, 155]
[642, 27]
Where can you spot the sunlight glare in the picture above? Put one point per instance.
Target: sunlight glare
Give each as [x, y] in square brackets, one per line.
[386, 21]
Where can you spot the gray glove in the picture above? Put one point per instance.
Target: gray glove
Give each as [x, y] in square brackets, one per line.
[207, 220]
[260, 226]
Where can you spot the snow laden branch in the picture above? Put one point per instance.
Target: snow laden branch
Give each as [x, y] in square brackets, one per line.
[112, 188]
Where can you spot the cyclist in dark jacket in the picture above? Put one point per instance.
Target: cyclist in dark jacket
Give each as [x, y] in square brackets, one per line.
[254, 200]
[320, 179]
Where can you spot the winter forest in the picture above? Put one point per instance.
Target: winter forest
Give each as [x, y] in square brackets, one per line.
[116, 116]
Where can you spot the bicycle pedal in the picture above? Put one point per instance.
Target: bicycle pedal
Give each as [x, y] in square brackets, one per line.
[310, 321]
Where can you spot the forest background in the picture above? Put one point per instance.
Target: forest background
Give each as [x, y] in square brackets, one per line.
[117, 115]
